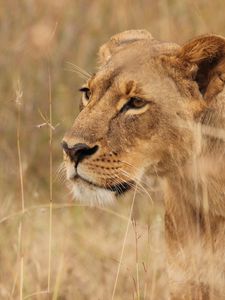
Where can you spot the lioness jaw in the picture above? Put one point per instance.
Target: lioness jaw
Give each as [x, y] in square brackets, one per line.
[143, 113]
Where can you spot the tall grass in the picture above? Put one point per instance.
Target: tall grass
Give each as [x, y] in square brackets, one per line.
[80, 256]
[19, 94]
[50, 183]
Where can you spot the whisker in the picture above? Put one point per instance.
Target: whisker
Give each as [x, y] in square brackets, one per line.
[61, 173]
[80, 74]
[61, 167]
[137, 181]
[135, 168]
[119, 180]
[79, 71]
[132, 185]
[140, 180]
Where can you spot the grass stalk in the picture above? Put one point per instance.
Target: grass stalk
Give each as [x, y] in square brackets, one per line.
[124, 243]
[21, 250]
[58, 279]
[137, 261]
[50, 184]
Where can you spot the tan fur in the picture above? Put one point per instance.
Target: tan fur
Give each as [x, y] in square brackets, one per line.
[172, 140]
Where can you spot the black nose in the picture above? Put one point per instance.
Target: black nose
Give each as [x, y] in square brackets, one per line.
[78, 151]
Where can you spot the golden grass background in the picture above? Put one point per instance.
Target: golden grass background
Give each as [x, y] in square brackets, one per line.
[38, 38]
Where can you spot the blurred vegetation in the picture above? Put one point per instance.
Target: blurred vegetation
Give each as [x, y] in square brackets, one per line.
[38, 39]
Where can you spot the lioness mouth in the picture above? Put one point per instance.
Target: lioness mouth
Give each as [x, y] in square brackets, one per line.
[118, 189]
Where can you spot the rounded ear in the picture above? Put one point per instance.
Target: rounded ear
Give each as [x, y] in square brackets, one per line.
[119, 41]
[208, 54]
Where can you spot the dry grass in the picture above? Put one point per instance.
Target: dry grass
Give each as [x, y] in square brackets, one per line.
[52, 248]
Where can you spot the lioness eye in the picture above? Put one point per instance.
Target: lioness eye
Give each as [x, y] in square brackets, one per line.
[86, 94]
[134, 103]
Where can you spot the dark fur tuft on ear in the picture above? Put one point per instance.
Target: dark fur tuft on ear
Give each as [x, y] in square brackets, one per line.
[208, 54]
[207, 47]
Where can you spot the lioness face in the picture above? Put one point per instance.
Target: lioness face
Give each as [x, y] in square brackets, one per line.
[128, 126]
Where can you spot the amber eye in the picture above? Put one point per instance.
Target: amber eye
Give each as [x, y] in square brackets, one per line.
[86, 94]
[134, 103]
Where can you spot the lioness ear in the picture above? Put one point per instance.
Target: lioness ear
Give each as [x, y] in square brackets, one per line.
[208, 54]
[120, 40]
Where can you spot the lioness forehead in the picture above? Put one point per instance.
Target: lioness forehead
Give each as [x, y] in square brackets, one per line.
[120, 79]
[137, 62]
[123, 76]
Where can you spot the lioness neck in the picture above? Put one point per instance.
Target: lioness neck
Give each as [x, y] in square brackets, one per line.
[194, 200]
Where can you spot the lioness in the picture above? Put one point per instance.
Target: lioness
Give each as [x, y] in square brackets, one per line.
[155, 109]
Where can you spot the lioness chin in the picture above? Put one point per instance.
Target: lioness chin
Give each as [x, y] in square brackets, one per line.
[152, 110]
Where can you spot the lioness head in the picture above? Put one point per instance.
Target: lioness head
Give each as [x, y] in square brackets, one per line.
[132, 109]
